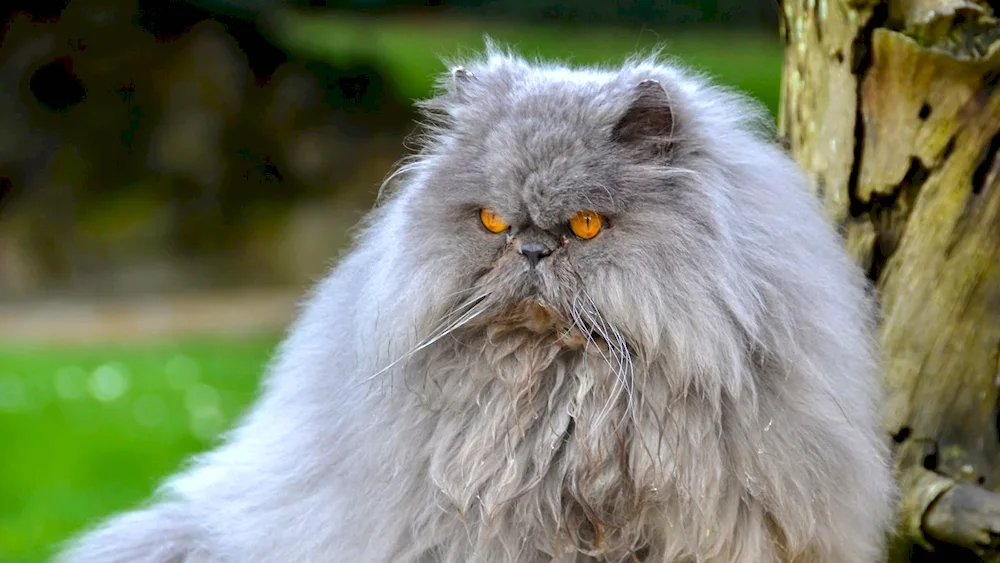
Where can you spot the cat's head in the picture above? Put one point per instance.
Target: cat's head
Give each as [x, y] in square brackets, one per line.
[585, 201]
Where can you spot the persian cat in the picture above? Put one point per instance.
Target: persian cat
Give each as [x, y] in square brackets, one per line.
[598, 317]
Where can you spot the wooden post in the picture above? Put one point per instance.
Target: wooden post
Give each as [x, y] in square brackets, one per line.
[894, 108]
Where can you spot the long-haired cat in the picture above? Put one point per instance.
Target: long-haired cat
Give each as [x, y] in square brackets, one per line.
[599, 318]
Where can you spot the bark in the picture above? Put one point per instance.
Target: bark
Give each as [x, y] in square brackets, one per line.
[894, 108]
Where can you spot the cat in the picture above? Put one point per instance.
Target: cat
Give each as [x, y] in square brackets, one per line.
[598, 316]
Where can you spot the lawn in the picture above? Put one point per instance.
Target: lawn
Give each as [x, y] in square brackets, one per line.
[90, 431]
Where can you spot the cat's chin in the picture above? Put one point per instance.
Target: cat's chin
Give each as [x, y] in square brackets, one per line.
[528, 306]
[538, 316]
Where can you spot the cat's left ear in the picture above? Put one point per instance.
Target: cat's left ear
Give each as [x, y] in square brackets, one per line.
[454, 90]
[461, 81]
[649, 119]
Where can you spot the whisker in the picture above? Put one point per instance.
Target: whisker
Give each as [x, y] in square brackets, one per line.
[626, 367]
[404, 166]
[597, 324]
[465, 312]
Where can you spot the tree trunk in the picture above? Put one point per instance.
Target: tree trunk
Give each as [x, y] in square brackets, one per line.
[894, 108]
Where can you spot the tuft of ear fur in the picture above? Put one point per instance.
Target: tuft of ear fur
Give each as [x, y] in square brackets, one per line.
[455, 90]
[460, 79]
[649, 119]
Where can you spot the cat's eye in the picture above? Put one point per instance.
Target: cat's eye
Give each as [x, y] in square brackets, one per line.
[586, 224]
[493, 222]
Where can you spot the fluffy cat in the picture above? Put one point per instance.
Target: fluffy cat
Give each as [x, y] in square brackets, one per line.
[600, 317]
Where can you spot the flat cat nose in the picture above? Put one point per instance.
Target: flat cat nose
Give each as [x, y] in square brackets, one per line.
[534, 252]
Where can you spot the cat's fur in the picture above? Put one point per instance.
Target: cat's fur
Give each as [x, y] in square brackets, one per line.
[694, 384]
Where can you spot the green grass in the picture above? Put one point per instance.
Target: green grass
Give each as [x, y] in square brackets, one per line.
[86, 432]
[411, 51]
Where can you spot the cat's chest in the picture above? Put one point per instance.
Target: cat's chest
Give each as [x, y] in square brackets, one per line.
[531, 436]
[520, 417]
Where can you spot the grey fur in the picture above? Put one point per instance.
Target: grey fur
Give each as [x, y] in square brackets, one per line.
[695, 384]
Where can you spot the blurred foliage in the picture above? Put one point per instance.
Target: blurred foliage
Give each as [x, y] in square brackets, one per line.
[154, 145]
[91, 431]
[757, 13]
[412, 50]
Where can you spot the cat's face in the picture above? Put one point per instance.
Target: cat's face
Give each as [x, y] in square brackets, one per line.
[565, 204]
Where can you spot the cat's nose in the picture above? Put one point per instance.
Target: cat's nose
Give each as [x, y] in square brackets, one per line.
[534, 252]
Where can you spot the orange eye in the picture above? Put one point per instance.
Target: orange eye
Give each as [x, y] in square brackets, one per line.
[585, 224]
[493, 222]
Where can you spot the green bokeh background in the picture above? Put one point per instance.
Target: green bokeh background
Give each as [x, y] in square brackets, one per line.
[746, 59]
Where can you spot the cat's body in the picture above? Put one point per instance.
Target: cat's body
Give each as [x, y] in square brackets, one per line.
[694, 383]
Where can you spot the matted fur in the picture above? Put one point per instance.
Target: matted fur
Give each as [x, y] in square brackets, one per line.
[695, 384]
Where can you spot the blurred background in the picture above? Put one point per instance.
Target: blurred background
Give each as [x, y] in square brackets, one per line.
[174, 174]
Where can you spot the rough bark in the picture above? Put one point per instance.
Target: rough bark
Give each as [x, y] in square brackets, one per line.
[894, 108]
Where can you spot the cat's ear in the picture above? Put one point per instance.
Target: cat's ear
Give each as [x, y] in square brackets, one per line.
[649, 119]
[455, 89]
[461, 79]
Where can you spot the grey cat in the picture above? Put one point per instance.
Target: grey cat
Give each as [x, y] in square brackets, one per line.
[599, 317]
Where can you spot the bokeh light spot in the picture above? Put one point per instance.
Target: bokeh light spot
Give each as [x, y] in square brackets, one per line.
[201, 398]
[207, 423]
[202, 403]
[108, 382]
